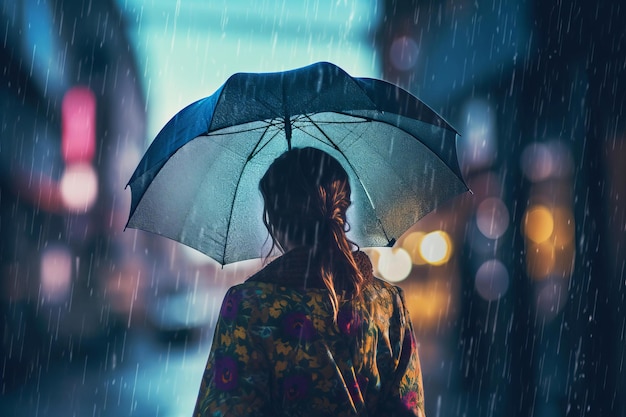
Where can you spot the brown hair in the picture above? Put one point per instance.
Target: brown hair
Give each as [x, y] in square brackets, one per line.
[306, 194]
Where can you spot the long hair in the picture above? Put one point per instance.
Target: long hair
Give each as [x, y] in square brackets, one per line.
[306, 194]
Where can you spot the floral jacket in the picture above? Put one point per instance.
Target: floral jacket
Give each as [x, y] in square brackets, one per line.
[278, 352]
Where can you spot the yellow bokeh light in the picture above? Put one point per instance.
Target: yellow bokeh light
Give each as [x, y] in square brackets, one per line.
[411, 243]
[390, 264]
[428, 304]
[436, 247]
[394, 264]
[538, 223]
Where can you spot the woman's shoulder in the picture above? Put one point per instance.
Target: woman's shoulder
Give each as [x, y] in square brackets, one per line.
[250, 289]
[385, 285]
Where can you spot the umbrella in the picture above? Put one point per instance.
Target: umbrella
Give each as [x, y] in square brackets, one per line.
[198, 181]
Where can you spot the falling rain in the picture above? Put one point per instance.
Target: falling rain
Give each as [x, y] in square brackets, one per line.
[516, 290]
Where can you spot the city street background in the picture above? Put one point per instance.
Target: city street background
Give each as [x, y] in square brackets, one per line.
[516, 290]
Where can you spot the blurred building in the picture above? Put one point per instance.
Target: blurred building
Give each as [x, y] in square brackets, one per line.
[73, 122]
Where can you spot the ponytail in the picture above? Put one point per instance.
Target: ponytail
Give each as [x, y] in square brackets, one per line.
[338, 268]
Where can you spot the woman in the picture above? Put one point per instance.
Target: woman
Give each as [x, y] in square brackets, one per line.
[313, 333]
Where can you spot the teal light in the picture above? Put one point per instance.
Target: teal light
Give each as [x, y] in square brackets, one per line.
[187, 49]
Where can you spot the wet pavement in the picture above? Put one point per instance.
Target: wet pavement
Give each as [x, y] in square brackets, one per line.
[149, 376]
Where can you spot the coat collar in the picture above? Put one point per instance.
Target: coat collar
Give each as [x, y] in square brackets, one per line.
[296, 269]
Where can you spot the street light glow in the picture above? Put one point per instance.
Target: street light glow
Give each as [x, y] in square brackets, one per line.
[436, 247]
[538, 223]
[79, 187]
[391, 264]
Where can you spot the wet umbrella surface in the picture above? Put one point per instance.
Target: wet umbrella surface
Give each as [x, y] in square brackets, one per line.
[198, 181]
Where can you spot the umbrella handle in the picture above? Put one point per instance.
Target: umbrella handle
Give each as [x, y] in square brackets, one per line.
[288, 130]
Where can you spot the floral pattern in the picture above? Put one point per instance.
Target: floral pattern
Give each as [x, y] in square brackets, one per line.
[230, 306]
[296, 387]
[226, 374]
[297, 325]
[278, 351]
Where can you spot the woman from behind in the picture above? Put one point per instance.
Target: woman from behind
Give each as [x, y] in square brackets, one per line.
[314, 333]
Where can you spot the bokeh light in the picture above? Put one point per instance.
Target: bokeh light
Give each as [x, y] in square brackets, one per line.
[391, 264]
[436, 247]
[78, 143]
[542, 161]
[550, 233]
[492, 217]
[403, 53]
[428, 303]
[79, 187]
[479, 147]
[55, 273]
[492, 280]
[536, 162]
[551, 298]
[562, 158]
[538, 223]
[411, 243]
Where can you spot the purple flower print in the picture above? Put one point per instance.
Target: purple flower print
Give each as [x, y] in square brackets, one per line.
[348, 321]
[299, 326]
[230, 306]
[225, 373]
[295, 387]
[410, 400]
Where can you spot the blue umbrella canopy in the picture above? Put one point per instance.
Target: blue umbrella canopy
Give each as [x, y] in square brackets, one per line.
[198, 181]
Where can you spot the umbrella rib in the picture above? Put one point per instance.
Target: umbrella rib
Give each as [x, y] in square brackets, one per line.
[230, 214]
[277, 123]
[255, 151]
[369, 119]
[220, 132]
[369, 197]
[360, 119]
